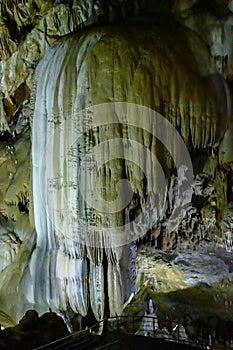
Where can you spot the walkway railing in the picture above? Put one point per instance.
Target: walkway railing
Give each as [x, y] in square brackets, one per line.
[81, 339]
[145, 326]
[136, 325]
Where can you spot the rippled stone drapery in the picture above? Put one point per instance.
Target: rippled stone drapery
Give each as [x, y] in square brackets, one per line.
[61, 259]
[36, 25]
[102, 65]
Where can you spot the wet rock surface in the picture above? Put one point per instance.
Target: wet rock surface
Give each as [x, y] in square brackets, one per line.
[201, 267]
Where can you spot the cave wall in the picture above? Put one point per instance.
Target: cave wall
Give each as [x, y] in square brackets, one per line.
[176, 58]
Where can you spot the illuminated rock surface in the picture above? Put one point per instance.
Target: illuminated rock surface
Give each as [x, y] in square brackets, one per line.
[149, 61]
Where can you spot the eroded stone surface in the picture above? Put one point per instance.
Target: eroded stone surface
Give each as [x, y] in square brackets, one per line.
[165, 66]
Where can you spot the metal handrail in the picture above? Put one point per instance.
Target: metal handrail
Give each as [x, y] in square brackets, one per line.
[86, 336]
[78, 337]
[106, 345]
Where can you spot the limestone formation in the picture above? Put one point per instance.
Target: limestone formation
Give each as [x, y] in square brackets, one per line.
[174, 57]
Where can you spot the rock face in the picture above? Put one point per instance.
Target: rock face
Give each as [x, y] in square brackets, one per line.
[157, 61]
[33, 331]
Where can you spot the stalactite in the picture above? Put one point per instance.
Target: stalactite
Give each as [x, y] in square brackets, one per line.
[96, 282]
[3, 120]
[140, 62]
[115, 281]
[88, 69]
